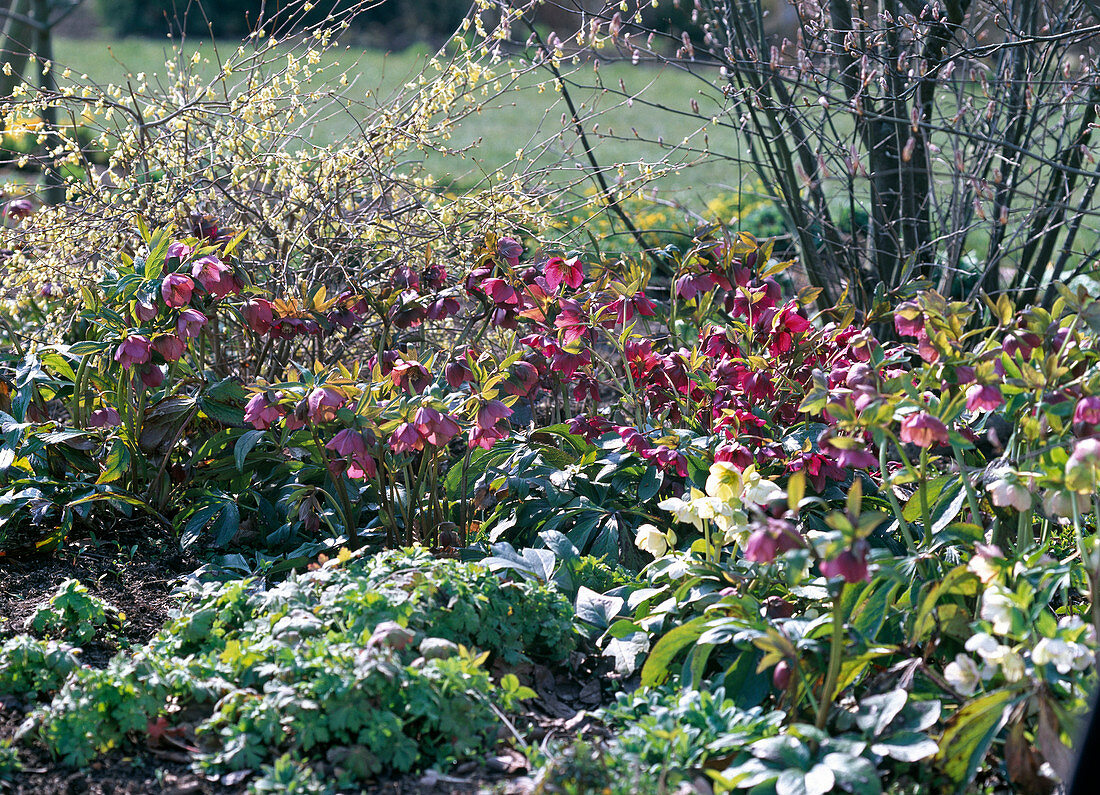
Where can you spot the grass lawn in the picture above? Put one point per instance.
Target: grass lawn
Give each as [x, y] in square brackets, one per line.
[528, 117]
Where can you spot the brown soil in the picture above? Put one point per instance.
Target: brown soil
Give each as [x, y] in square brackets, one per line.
[139, 585]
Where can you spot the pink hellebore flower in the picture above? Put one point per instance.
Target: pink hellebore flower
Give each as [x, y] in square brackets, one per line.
[406, 438]
[1008, 492]
[566, 363]
[228, 284]
[258, 314]
[144, 310]
[19, 208]
[856, 458]
[435, 427]
[774, 538]
[209, 271]
[510, 250]
[691, 285]
[151, 375]
[573, 321]
[458, 373]
[177, 251]
[353, 445]
[443, 308]
[563, 271]
[851, 564]
[176, 290]
[323, 403]
[522, 378]
[261, 412]
[1083, 467]
[909, 319]
[923, 430]
[412, 377]
[361, 467]
[433, 278]
[169, 346]
[408, 311]
[105, 417]
[487, 437]
[405, 278]
[666, 459]
[500, 292]
[133, 350]
[1088, 410]
[190, 323]
[985, 397]
[492, 412]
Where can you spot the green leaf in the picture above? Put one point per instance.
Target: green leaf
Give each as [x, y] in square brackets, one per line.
[854, 773]
[625, 651]
[598, 609]
[959, 581]
[649, 484]
[871, 610]
[227, 524]
[116, 464]
[877, 712]
[229, 415]
[86, 347]
[656, 667]
[197, 522]
[906, 747]
[244, 446]
[970, 732]
[58, 364]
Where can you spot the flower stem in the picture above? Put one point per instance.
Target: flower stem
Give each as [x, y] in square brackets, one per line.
[971, 494]
[894, 504]
[926, 514]
[836, 651]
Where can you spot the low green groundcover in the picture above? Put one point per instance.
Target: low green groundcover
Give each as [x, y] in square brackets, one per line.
[376, 664]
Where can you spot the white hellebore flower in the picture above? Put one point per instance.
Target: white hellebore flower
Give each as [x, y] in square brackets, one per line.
[714, 509]
[686, 511]
[759, 491]
[1008, 492]
[1075, 622]
[994, 653]
[724, 482]
[650, 539]
[1058, 503]
[1057, 651]
[963, 674]
[998, 607]
[983, 568]
[735, 528]
[984, 644]
[1012, 666]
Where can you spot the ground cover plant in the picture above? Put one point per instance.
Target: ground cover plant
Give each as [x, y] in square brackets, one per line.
[437, 460]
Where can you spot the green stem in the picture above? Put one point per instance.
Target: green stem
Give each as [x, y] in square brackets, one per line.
[77, 409]
[971, 495]
[836, 652]
[925, 513]
[1025, 533]
[894, 504]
